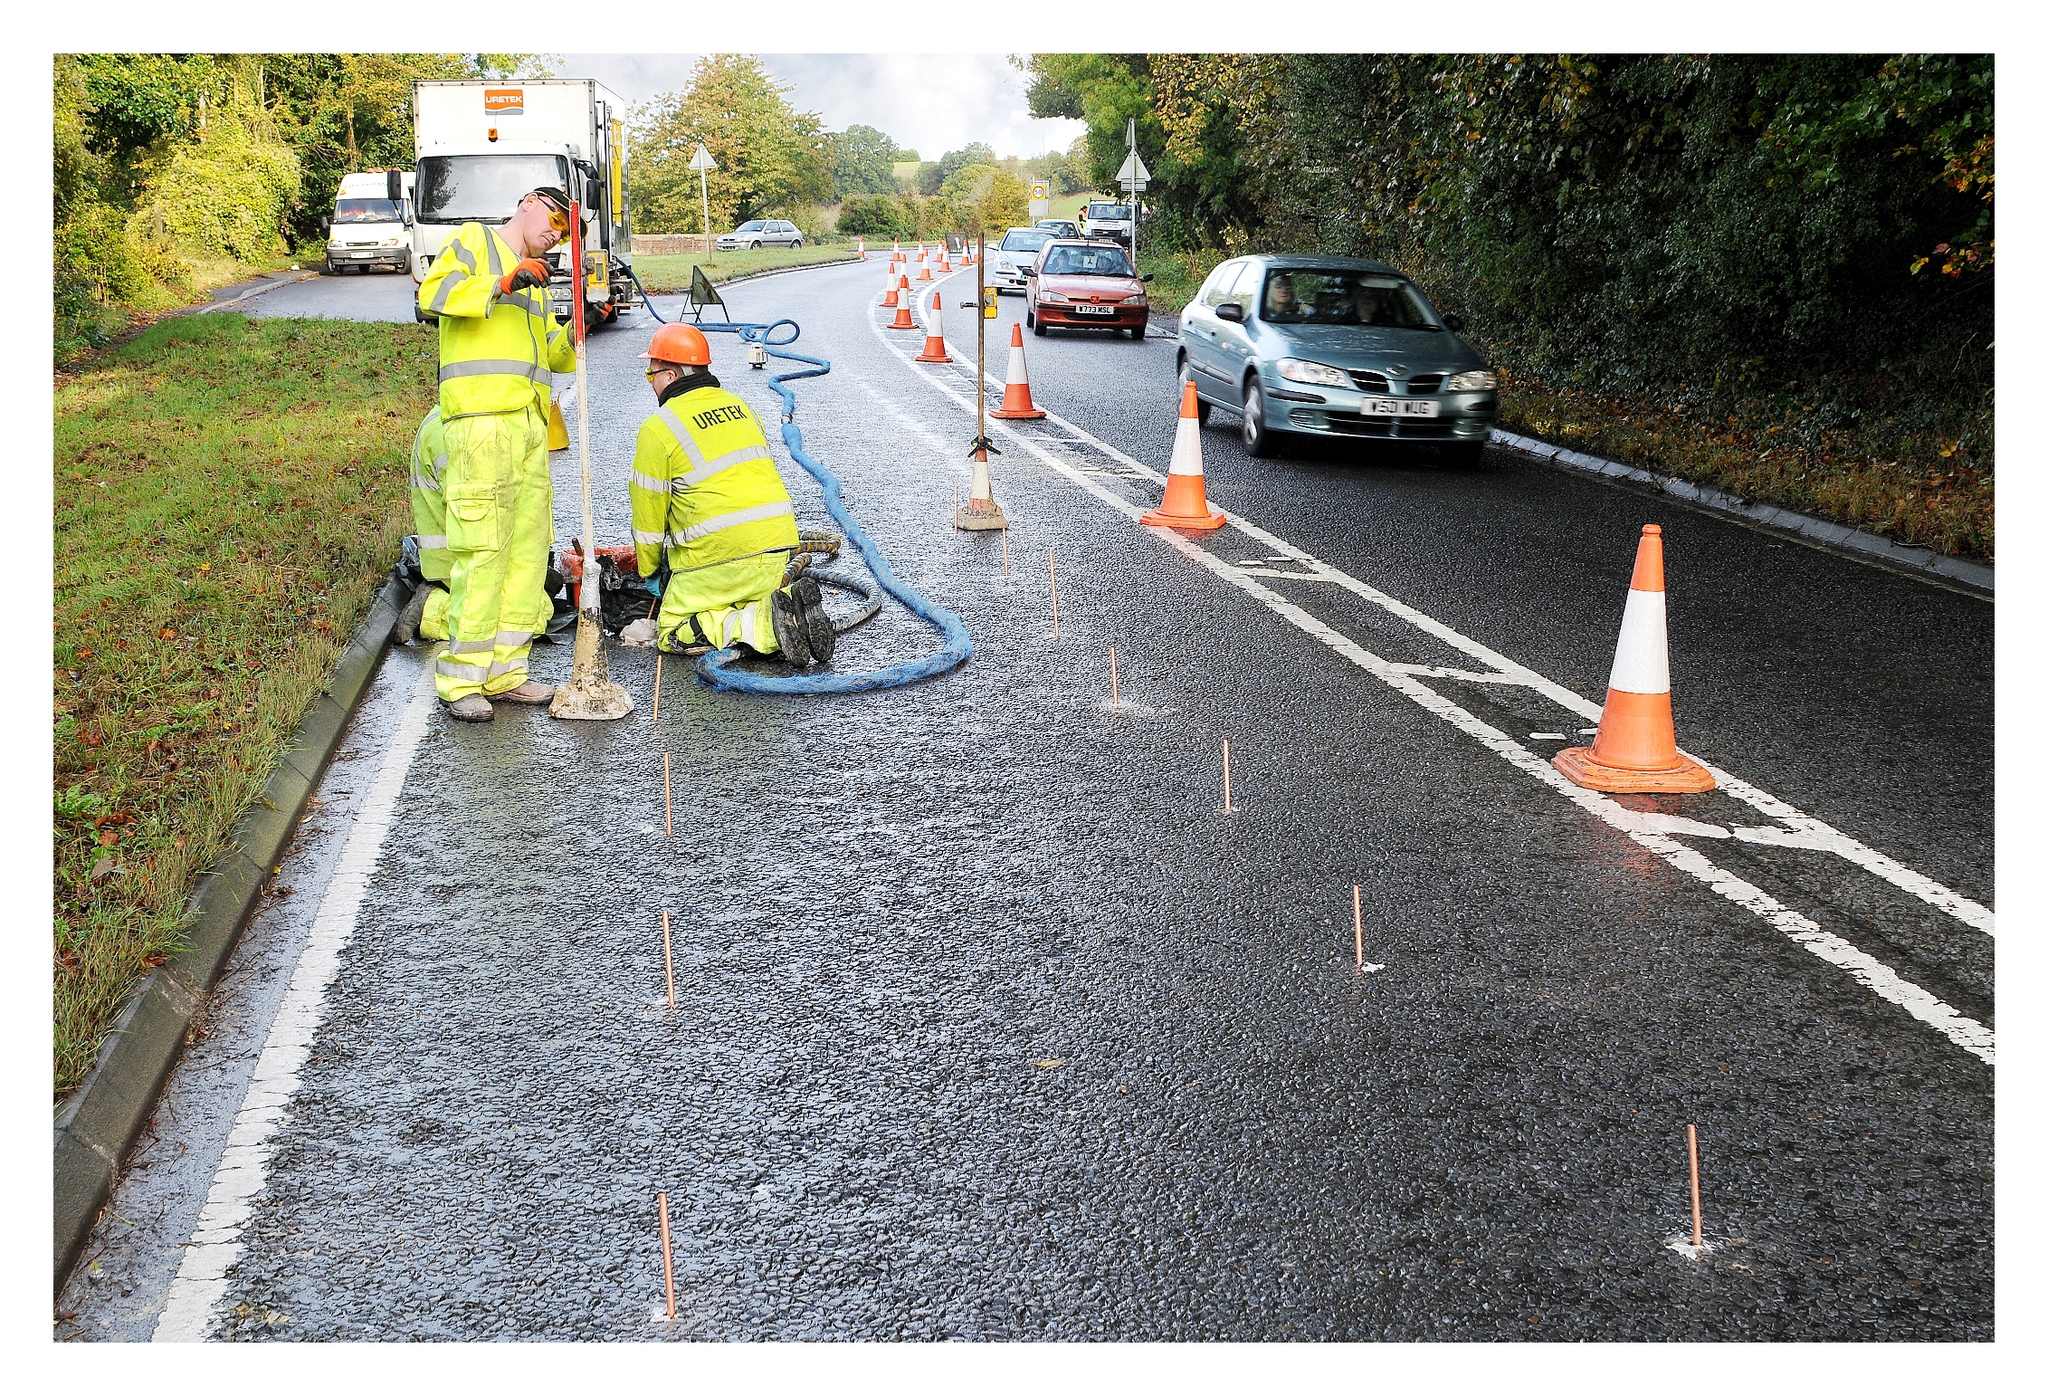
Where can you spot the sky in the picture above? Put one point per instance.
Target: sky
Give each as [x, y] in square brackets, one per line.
[931, 103]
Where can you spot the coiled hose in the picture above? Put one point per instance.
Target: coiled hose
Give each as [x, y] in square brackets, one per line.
[715, 668]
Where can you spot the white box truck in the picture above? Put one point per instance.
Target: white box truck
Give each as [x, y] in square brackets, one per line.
[479, 146]
[372, 222]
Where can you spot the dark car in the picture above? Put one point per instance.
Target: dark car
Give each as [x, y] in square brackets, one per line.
[1085, 285]
[1334, 346]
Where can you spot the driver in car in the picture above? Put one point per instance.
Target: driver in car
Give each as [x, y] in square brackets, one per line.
[1280, 302]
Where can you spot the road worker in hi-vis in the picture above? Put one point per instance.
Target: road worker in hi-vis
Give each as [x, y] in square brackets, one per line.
[426, 614]
[708, 503]
[500, 349]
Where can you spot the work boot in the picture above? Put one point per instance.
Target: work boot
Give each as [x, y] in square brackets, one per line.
[810, 600]
[791, 635]
[474, 708]
[408, 627]
[528, 692]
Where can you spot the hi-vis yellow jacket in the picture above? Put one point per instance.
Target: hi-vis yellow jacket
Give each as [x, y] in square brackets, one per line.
[499, 353]
[704, 485]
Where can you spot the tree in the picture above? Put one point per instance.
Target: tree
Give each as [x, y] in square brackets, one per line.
[984, 193]
[770, 156]
[863, 162]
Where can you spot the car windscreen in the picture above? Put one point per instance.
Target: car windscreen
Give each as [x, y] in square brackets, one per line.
[1023, 240]
[1111, 211]
[1086, 261]
[366, 211]
[1302, 297]
[458, 188]
[757, 226]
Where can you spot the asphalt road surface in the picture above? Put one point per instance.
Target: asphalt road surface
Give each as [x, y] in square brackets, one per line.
[355, 295]
[992, 1023]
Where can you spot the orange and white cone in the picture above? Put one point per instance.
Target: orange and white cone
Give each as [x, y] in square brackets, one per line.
[860, 245]
[1017, 385]
[889, 289]
[903, 299]
[1636, 748]
[895, 249]
[943, 264]
[1186, 504]
[981, 510]
[924, 270]
[935, 335]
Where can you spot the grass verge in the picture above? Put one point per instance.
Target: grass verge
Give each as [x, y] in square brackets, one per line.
[83, 330]
[229, 494]
[667, 276]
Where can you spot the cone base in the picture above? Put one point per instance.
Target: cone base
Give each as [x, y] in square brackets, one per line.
[1687, 777]
[904, 326]
[1199, 521]
[941, 358]
[1020, 414]
[972, 519]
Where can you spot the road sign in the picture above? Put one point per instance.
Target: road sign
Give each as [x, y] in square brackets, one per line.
[702, 159]
[1041, 191]
[1133, 176]
[1041, 199]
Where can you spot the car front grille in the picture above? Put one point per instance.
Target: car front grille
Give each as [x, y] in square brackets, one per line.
[1370, 382]
[1425, 383]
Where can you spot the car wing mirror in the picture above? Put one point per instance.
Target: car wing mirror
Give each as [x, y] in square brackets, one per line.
[1231, 311]
[1146, 277]
[1454, 323]
[1029, 271]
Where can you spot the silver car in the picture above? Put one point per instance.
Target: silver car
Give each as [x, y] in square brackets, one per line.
[761, 232]
[1007, 259]
[1334, 347]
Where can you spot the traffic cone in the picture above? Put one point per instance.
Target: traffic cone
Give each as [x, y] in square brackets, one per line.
[1186, 504]
[944, 265]
[860, 245]
[903, 320]
[1636, 748]
[889, 292]
[558, 430]
[935, 335]
[924, 270]
[1017, 387]
[981, 510]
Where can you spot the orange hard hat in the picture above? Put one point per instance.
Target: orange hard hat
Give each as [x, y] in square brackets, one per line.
[679, 344]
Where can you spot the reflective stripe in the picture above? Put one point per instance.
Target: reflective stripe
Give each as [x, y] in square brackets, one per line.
[652, 540]
[737, 517]
[475, 367]
[532, 302]
[726, 462]
[491, 249]
[427, 483]
[443, 291]
[470, 646]
[462, 254]
[433, 540]
[748, 628]
[453, 670]
[508, 666]
[510, 638]
[648, 482]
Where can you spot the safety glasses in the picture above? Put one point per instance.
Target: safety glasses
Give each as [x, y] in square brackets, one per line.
[558, 218]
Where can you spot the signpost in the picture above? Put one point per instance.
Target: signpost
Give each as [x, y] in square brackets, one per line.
[701, 162]
[1041, 200]
[1133, 178]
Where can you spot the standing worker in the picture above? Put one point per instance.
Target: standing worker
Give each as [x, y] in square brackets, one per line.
[500, 348]
[708, 502]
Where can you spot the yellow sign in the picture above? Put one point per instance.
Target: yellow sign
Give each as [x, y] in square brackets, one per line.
[1040, 191]
[988, 302]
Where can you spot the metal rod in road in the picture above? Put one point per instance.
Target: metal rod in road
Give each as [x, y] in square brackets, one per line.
[1357, 929]
[1112, 676]
[590, 587]
[668, 1265]
[1226, 777]
[657, 688]
[1053, 573]
[668, 958]
[1006, 554]
[668, 804]
[981, 358]
[1692, 1150]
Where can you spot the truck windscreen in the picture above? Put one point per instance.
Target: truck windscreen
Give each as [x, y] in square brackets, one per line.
[458, 188]
[366, 211]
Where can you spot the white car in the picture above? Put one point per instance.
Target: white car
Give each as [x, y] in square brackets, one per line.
[761, 232]
[1018, 249]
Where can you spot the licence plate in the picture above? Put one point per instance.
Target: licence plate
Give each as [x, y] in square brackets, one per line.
[358, 254]
[1398, 407]
[1093, 309]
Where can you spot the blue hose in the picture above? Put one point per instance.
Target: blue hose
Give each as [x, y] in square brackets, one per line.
[713, 668]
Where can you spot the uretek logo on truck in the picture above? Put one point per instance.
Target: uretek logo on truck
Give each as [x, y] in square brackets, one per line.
[504, 101]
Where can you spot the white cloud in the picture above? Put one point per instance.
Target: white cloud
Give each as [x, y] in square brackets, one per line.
[930, 102]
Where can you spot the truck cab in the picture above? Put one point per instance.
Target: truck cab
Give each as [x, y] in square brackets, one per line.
[480, 147]
[371, 225]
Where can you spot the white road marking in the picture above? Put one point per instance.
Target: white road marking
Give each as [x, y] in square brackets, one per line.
[1654, 832]
[201, 1281]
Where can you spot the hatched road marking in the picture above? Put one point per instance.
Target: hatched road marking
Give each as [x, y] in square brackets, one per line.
[1654, 832]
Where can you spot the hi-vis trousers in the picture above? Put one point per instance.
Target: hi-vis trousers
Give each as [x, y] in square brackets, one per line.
[501, 521]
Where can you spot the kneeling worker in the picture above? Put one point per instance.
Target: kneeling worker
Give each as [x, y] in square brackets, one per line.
[707, 500]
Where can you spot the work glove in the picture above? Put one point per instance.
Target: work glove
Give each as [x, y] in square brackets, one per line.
[531, 272]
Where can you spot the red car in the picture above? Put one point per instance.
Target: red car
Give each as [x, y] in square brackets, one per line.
[1082, 285]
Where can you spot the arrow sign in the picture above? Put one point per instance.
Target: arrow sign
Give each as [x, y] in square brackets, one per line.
[702, 159]
[1133, 171]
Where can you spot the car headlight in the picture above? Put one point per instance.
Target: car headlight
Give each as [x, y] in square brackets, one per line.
[1050, 296]
[1478, 380]
[1303, 371]
[1138, 299]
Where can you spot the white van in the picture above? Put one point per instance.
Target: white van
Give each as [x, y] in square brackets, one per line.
[372, 222]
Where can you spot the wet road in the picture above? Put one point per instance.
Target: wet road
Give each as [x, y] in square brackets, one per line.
[992, 1023]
